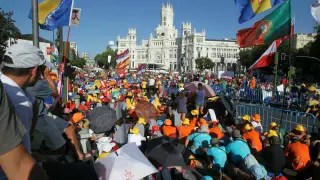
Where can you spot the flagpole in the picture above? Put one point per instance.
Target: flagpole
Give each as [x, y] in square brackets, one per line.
[289, 70]
[35, 27]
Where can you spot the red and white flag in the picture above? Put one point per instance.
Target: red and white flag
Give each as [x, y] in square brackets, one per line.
[267, 57]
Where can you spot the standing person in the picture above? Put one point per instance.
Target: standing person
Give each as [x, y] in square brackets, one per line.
[182, 105]
[23, 65]
[53, 127]
[14, 158]
[151, 83]
[200, 98]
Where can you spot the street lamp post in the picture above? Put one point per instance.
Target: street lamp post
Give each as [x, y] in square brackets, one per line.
[35, 27]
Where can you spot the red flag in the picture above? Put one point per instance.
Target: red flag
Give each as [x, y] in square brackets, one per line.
[267, 57]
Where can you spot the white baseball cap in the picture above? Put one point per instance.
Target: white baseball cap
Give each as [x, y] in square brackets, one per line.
[24, 55]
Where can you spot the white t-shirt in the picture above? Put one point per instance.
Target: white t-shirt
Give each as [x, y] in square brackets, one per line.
[22, 102]
[134, 138]
[151, 82]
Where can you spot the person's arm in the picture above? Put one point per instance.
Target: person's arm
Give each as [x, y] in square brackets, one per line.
[51, 83]
[18, 164]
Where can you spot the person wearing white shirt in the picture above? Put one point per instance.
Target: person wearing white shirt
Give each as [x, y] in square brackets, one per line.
[256, 123]
[22, 66]
[135, 137]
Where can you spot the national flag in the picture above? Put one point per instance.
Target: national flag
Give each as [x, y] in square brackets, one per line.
[274, 26]
[315, 11]
[123, 64]
[54, 14]
[141, 68]
[122, 56]
[53, 57]
[267, 57]
[250, 8]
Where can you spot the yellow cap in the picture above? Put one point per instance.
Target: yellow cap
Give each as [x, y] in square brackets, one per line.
[195, 112]
[186, 121]
[304, 85]
[141, 121]
[247, 127]
[180, 85]
[271, 133]
[135, 130]
[300, 128]
[246, 118]
[214, 98]
[312, 88]
[273, 124]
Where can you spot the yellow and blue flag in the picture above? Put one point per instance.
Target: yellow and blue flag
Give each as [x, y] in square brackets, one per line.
[249, 8]
[54, 13]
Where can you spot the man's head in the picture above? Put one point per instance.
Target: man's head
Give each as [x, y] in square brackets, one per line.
[25, 62]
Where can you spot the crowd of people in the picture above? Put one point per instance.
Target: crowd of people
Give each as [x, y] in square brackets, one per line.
[212, 145]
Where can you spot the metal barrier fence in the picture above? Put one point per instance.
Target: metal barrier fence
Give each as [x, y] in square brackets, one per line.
[289, 118]
[261, 97]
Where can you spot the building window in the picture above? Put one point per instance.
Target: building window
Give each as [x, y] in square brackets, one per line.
[175, 55]
[122, 45]
[132, 56]
[133, 37]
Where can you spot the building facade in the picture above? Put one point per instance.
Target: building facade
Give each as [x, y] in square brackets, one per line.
[299, 40]
[166, 50]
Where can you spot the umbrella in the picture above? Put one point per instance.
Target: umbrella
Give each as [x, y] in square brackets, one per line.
[193, 87]
[168, 152]
[102, 119]
[146, 110]
[128, 162]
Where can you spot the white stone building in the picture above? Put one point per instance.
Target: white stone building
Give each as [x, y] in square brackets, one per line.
[299, 40]
[166, 50]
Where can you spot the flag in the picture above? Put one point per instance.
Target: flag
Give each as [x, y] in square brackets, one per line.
[123, 64]
[267, 57]
[250, 8]
[141, 68]
[54, 14]
[122, 56]
[315, 11]
[75, 17]
[274, 26]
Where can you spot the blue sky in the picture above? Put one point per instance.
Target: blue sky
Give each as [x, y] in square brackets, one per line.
[103, 20]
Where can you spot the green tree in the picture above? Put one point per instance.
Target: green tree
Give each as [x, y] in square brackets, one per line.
[102, 59]
[200, 64]
[7, 30]
[79, 62]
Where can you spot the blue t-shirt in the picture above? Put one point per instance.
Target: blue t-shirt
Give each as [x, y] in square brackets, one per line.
[200, 140]
[219, 156]
[238, 150]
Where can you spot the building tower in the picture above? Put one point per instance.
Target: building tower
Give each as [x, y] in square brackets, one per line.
[166, 15]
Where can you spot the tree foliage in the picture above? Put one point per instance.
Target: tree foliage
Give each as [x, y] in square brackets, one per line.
[7, 30]
[203, 63]
[102, 59]
[79, 62]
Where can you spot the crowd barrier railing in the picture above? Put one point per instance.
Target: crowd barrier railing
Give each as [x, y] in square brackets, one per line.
[289, 118]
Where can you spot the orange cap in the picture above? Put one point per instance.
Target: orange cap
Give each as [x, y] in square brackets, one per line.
[77, 117]
[168, 122]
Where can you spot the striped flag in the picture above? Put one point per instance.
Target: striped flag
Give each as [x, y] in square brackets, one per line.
[122, 56]
[141, 68]
[123, 60]
[267, 57]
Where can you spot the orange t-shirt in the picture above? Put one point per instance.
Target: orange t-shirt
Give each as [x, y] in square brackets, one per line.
[217, 131]
[253, 138]
[300, 154]
[167, 130]
[253, 83]
[184, 131]
[193, 122]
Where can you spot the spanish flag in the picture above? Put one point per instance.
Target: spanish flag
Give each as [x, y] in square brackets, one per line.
[54, 14]
[249, 8]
